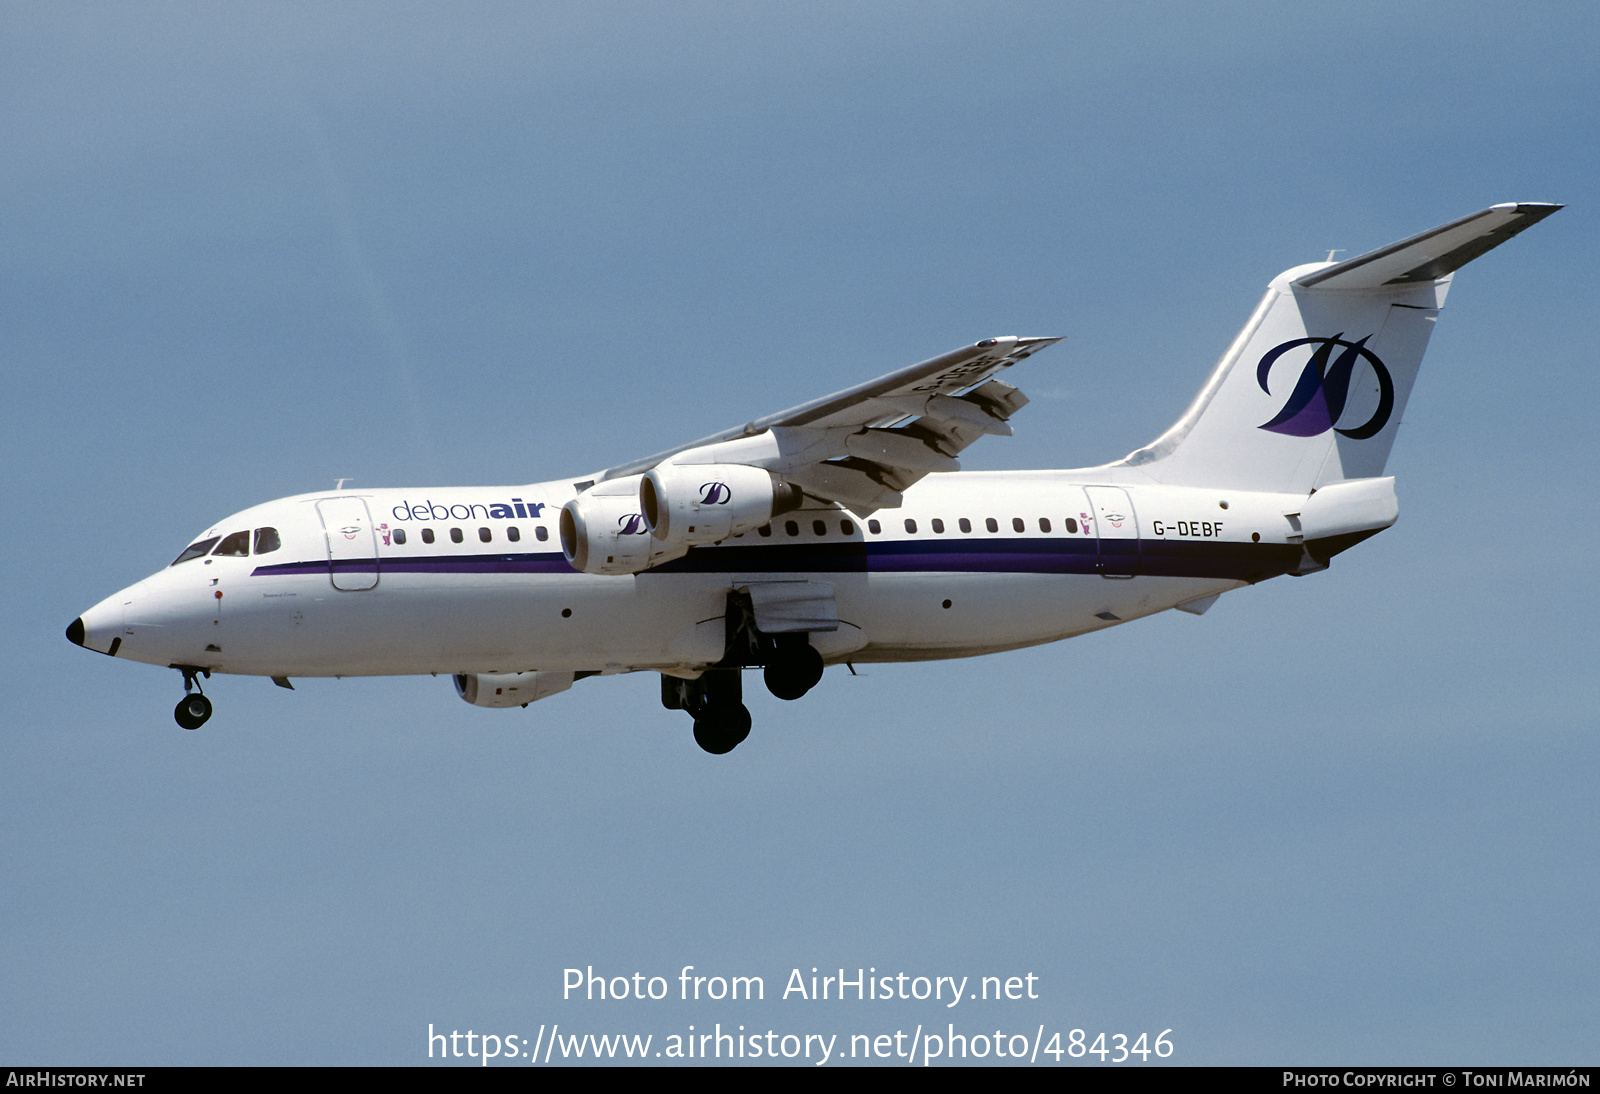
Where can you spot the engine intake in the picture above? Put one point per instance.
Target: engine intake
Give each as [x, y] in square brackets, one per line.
[603, 531]
[685, 505]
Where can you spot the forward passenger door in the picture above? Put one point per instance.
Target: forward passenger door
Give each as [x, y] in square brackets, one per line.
[352, 543]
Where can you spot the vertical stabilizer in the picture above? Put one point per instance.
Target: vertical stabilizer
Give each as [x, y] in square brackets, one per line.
[1312, 390]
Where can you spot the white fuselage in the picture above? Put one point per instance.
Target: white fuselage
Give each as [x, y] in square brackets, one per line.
[1070, 552]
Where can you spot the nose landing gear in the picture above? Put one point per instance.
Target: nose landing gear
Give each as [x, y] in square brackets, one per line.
[194, 708]
[192, 711]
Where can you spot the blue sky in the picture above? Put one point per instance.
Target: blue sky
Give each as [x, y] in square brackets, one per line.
[250, 250]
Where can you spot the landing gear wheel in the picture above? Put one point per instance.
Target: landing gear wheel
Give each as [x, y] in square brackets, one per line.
[793, 674]
[721, 729]
[192, 711]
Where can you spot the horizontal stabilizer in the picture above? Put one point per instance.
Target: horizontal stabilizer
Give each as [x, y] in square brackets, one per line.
[1433, 254]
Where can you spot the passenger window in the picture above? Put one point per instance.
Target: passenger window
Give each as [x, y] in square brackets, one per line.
[991, 524]
[847, 528]
[938, 525]
[1072, 526]
[484, 535]
[791, 528]
[1017, 525]
[966, 525]
[455, 535]
[764, 531]
[514, 534]
[541, 533]
[1044, 524]
[195, 550]
[874, 527]
[911, 526]
[427, 535]
[399, 539]
[819, 527]
[237, 545]
[267, 540]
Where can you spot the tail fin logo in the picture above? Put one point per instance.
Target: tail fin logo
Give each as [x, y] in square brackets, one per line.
[1319, 397]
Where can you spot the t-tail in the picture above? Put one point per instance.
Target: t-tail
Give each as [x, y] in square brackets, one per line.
[1312, 390]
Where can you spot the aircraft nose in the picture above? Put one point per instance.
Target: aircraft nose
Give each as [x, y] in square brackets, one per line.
[99, 628]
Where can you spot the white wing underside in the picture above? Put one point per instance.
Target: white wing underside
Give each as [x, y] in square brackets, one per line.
[862, 447]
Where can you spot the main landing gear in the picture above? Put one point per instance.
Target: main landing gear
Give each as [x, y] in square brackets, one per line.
[721, 719]
[194, 708]
[794, 666]
[790, 664]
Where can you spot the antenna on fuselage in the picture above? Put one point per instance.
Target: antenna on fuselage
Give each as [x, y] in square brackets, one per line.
[340, 484]
[1336, 250]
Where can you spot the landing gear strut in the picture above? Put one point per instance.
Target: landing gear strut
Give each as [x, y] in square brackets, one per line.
[194, 708]
[790, 664]
[721, 720]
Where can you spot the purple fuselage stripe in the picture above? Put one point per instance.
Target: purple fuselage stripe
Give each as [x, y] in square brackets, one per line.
[1151, 557]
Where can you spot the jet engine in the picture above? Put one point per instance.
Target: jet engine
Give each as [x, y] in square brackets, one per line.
[690, 504]
[510, 689]
[603, 531]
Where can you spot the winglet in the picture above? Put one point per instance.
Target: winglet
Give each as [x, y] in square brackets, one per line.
[1433, 254]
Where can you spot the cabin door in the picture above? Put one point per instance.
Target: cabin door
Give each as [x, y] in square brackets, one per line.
[1116, 529]
[352, 544]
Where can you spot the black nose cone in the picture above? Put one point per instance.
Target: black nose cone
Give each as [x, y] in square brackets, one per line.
[75, 631]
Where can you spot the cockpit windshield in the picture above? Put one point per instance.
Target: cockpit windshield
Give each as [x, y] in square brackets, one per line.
[195, 550]
[237, 544]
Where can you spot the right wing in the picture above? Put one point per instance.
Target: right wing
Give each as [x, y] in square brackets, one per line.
[862, 447]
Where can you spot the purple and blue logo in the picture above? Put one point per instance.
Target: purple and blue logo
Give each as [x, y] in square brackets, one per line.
[1319, 396]
[632, 524]
[715, 493]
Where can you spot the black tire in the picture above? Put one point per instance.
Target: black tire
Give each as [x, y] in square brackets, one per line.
[782, 681]
[721, 730]
[810, 666]
[192, 711]
[739, 723]
[708, 735]
[795, 673]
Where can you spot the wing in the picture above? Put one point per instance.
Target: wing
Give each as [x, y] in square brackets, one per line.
[865, 445]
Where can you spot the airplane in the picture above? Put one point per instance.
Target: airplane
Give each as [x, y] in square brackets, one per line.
[841, 531]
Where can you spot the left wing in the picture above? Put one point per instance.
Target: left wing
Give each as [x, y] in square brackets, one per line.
[865, 445]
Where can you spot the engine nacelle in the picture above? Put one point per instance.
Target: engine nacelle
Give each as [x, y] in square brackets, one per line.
[691, 504]
[603, 531]
[510, 689]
